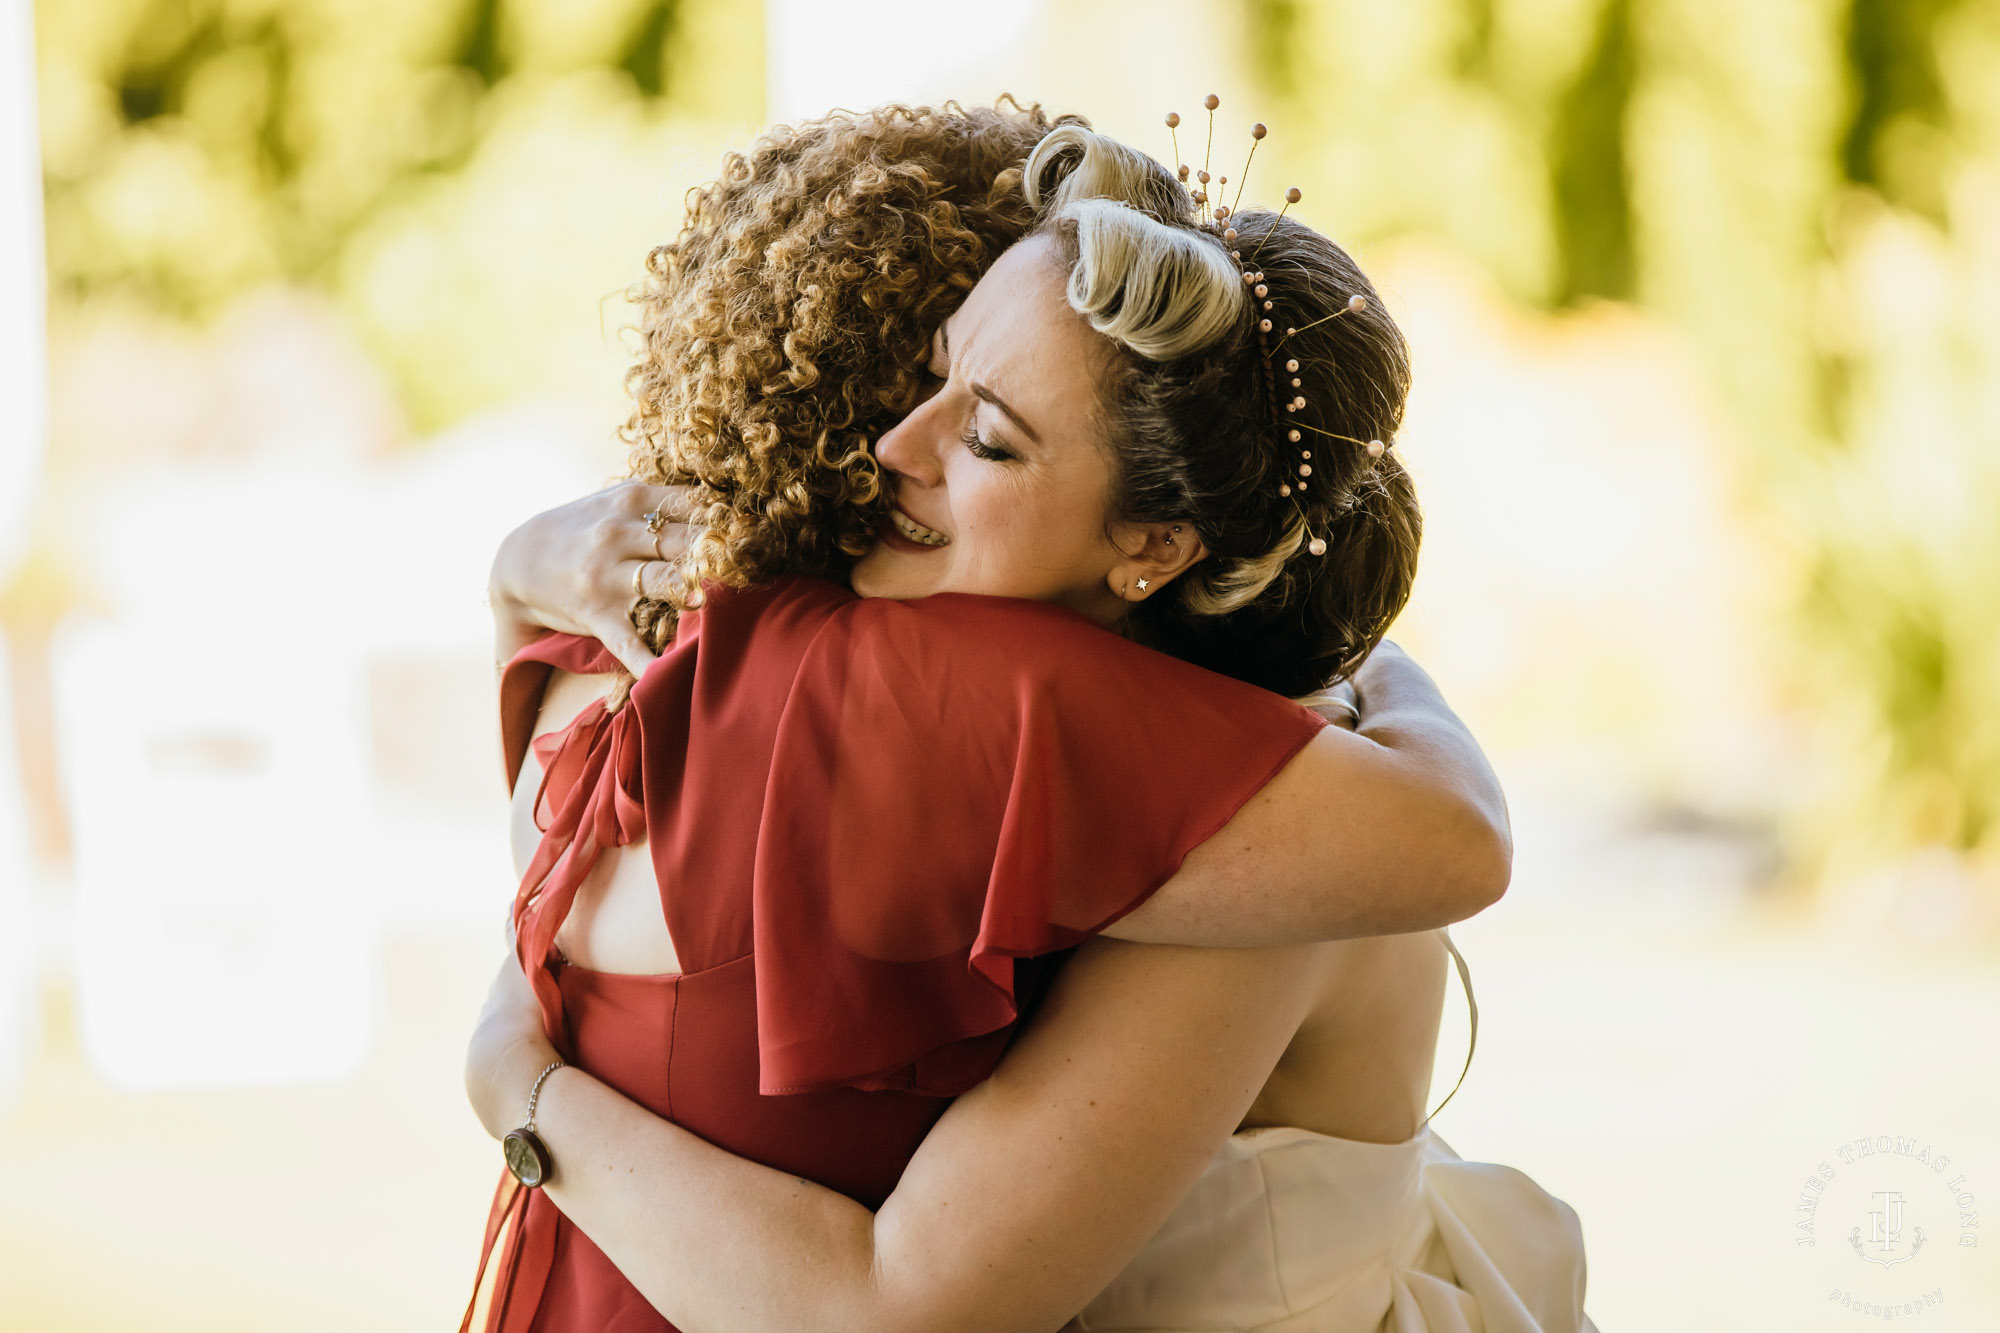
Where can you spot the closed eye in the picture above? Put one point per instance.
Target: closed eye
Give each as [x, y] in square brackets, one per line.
[979, 448]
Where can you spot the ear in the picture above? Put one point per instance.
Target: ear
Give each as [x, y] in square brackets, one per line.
[1157, 553]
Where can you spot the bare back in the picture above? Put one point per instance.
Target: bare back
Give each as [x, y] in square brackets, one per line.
[615, 924]
[1359, 1067]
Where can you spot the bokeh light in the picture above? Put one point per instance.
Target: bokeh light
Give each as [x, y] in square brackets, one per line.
[1705, 302]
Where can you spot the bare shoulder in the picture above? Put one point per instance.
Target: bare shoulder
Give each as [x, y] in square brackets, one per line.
[1359, 1066]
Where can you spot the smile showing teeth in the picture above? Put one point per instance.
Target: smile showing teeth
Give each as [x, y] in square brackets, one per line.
[916, 531]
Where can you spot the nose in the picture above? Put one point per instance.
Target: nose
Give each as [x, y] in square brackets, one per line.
[910, 448]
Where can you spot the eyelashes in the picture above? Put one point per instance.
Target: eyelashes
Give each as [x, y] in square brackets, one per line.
[979, 448]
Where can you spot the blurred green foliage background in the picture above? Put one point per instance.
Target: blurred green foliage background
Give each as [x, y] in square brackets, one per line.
[1704, 297]
[385, 152]
[1808, 190]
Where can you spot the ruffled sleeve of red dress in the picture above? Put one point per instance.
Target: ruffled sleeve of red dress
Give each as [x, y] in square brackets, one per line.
[961, 782]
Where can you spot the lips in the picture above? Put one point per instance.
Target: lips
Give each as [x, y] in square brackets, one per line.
[911, 530]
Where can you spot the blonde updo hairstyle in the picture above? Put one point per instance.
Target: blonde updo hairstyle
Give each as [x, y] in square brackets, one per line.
[1195, 429]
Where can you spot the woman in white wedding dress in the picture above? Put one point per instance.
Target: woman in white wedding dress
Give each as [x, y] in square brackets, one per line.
[1332, 1206]
[1319, 1214]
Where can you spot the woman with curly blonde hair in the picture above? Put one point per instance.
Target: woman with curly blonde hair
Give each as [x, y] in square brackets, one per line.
[789, 326]
[786, 1068]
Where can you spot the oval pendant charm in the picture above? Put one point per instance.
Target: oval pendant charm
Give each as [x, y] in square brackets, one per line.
[526, 1156]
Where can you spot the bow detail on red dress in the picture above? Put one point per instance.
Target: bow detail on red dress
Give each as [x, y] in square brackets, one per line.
[591, 797]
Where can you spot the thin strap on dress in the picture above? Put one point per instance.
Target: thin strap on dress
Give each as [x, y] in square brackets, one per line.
[1472, 1005]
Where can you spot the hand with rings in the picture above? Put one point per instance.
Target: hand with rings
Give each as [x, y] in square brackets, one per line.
[639, 593]
[657, 522]
[579, 568]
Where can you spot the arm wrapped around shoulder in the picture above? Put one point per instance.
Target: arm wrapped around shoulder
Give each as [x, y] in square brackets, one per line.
[1398, 826]
[1403, 712]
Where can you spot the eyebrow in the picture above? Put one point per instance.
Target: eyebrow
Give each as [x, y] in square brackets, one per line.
[986, 395]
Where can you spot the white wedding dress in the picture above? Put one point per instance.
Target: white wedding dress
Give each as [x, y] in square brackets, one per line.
[1289, 1231]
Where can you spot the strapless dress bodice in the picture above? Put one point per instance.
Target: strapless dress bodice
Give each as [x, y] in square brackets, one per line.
[1288, 1231]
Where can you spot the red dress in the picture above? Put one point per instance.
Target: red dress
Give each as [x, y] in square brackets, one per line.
[876, 827]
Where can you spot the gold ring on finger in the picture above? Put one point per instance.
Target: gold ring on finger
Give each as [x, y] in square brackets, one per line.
[654, 521]
[638, 579]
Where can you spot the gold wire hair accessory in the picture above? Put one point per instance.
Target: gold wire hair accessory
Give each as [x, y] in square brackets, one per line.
[1282, 405]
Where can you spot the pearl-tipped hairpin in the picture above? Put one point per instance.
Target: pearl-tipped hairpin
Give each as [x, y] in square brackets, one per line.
[1299, 480]
[1292, 196]
[1373, 448]
[1257, 133]
[1211, 102]
[1355, 305]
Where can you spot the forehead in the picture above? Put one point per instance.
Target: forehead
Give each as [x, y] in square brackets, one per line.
[1017, 333]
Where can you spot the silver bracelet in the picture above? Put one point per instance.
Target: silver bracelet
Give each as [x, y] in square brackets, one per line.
[527, 1156]
[535, 1093]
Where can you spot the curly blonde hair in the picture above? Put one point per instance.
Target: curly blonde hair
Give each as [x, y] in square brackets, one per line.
[789, 325]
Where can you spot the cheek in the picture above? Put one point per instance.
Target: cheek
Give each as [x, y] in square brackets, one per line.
[1025, 530]
[994, 510]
